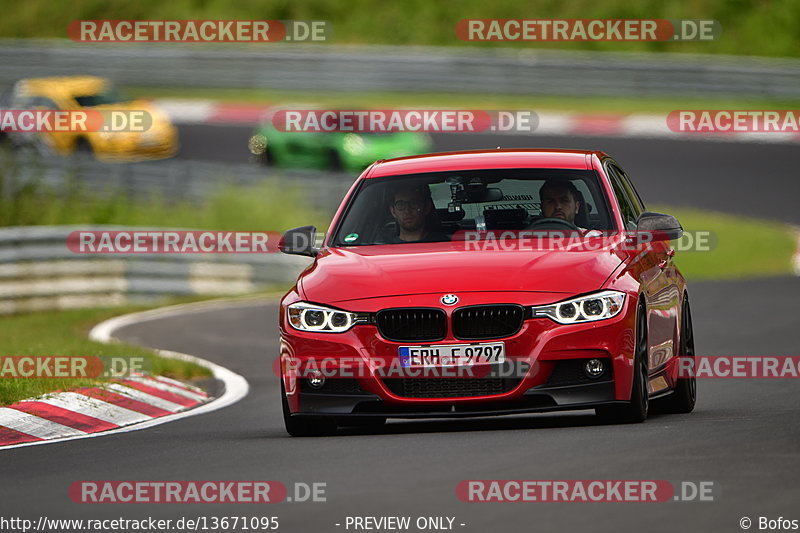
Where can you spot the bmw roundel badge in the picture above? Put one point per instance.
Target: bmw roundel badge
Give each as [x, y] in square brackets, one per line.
[449, 299]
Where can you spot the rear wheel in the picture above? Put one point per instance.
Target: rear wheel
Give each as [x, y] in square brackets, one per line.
[83, 146]
[335, 161]
[684, 396]
[305, 426]
[268, 157]
[637, 408]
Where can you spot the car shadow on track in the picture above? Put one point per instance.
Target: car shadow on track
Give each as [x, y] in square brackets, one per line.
[514, 422]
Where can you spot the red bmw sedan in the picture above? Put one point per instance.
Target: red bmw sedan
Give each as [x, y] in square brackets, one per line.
[484, 283]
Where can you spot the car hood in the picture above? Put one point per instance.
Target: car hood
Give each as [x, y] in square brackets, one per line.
[355, 273]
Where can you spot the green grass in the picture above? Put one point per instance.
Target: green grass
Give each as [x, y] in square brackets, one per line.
[272, 205]
[743, 247]
[269, 206]
[749, 27]
[374, 99]
[64, 333]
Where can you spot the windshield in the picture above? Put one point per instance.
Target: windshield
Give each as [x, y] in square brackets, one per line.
[438, 207]
[109, 96]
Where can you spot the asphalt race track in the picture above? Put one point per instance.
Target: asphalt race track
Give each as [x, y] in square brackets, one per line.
[749, 179]
[744, 435]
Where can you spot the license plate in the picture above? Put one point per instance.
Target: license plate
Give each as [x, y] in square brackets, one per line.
[452, 354]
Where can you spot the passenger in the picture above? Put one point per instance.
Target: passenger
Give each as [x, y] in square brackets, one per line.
[411, 207]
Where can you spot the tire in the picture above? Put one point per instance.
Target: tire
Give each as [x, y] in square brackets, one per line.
[268, 157]
[83, 147]
[684, 397]
[636, 409]
[305, 426]
[335, 161]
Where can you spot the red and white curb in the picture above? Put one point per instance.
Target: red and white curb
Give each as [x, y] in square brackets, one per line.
[211, 112]
[550, 123]
[94, 409]
[129, 404]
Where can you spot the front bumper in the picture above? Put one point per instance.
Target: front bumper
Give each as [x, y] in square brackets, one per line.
[535, 400]
[141, 147]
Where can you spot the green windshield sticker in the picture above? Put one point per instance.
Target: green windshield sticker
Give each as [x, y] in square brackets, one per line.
[351, 238]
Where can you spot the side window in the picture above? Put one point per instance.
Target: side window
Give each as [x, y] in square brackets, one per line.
[45, 103]
[636, 200]
[32, 102]
[20, 101]
[629, 214]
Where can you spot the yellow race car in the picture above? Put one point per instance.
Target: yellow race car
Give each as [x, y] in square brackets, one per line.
[158, 139]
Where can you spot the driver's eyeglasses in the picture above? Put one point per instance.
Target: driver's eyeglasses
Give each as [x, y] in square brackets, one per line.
[413, 205]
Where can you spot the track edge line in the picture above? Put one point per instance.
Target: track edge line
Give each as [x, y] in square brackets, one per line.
[236, 386]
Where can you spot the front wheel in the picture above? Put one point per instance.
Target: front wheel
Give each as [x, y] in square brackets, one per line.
[305, 426]
[684, 397]
[636, 409]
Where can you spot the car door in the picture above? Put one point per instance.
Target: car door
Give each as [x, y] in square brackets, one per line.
[657, 276]
[672, 287]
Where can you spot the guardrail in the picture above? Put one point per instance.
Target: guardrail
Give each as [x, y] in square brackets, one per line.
[378, 68]
[169, 178]
[38, 271]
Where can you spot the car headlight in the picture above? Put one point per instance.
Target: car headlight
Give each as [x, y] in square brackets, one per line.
[354, 143]
[598, 306]
[257, 144]
[311, 317]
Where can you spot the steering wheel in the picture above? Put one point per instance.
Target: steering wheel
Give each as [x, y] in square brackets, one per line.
[557, 221]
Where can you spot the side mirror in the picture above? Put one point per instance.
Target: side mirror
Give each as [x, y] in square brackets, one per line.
[299, 241]
[659, 226]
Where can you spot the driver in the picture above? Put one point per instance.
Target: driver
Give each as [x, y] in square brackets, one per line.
[559, 200]
[410, 206]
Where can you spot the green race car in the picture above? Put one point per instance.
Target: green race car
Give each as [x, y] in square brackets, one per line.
[351, 152]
